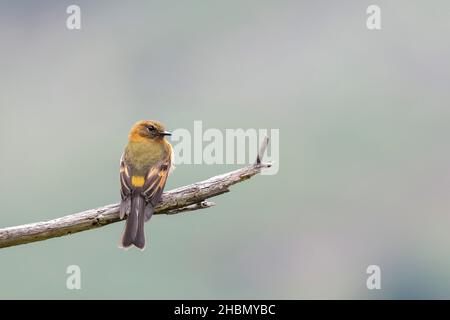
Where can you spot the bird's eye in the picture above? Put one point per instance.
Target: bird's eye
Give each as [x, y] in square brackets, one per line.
[151, 128]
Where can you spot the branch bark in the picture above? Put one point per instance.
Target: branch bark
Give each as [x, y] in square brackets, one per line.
[188, 198]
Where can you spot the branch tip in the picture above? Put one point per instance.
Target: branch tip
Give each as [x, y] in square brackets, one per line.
[262, 150]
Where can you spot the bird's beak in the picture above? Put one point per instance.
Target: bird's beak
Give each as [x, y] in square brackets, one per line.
[166, 133]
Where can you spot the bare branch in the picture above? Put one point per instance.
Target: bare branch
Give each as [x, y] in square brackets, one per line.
[183, 199]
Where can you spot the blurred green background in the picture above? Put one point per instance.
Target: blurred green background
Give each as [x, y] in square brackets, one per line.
[364, 121]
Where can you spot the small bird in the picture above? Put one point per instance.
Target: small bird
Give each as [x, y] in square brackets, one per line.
[144, 167]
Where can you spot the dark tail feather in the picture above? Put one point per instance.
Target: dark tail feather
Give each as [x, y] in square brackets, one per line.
[134, 229]
[149, 210]
[139, 241]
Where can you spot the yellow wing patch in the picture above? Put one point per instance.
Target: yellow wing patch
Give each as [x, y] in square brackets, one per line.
[137, 181]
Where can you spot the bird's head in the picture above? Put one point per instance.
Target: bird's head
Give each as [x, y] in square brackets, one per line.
[148, 130]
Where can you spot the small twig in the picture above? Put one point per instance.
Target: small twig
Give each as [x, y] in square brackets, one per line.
[201, 205]
[183, 199]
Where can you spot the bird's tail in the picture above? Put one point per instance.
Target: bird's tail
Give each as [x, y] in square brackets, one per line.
[134, 233]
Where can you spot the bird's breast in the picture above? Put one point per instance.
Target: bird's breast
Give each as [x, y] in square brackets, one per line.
[141, 156]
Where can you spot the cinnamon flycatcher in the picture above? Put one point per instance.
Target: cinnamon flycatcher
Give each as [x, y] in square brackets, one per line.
[144, 168]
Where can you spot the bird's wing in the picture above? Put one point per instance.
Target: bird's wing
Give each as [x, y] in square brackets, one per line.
[172, 160]
[125, 179]
[156, 180]
[125, 189]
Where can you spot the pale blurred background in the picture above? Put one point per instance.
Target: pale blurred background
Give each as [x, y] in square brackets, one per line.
[364, 119]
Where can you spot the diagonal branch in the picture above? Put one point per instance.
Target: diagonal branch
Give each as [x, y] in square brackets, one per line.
[188, 198]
